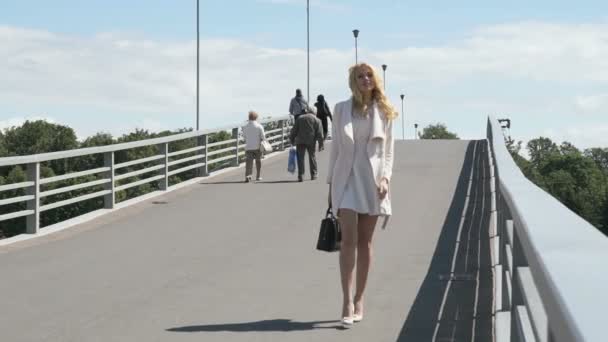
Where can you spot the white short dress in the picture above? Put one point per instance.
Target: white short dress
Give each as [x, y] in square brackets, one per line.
[361, 194]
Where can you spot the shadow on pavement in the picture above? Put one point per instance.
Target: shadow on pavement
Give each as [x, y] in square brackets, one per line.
[265, 325]
[278, 182]
[457, 305]
[222, 182]
[253, 182]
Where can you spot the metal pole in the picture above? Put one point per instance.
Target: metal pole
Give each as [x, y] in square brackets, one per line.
[384, 76]
[356, 34]
[356, 57]
[308, 51]
[402, 118]
[197, 65]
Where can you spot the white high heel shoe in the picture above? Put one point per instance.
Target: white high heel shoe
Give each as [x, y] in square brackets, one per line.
[358, 317]
[348, 322]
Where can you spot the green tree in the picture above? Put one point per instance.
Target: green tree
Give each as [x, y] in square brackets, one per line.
[34, 137]
[514, 149]
[567, 148]
[437, 131]
[540, 149]
[599, 156]
[15, 226]
[3, 150]
[574, 178]
[578, 183]
[94, 160]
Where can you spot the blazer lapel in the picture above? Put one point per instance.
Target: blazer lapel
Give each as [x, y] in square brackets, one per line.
[376, 138]
[378, 131]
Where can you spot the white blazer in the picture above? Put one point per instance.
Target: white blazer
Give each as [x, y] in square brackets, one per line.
[379, 149]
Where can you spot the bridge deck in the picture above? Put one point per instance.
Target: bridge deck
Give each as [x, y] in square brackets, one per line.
[227, 261]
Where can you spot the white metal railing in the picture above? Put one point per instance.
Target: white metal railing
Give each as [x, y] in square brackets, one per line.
[108, 176]
[549, 264]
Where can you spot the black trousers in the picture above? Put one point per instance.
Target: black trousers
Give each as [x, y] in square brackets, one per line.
[324, 124]
[312, 159]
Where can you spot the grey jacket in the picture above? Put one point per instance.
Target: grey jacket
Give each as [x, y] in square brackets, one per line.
[298, 106]
[306, 130]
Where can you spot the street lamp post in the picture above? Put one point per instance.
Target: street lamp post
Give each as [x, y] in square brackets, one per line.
[197, 65]
[402, 118]
[384, 76]
[308, 51]
[415, 131]
[356, 34]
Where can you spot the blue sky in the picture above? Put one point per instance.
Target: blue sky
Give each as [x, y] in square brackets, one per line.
[115, 65]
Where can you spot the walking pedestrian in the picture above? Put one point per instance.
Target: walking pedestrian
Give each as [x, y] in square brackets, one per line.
[360, 169]
[304, 134]
[323, 113]
[297, 105]
[254, 134]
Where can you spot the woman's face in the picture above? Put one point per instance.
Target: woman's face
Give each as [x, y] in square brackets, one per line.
[365, 80]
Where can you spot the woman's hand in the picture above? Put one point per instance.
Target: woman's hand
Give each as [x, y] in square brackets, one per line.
[383, 188]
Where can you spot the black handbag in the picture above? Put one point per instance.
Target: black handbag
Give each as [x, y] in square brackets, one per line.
[330, 234]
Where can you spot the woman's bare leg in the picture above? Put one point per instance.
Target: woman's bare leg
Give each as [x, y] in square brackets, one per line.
[348, 223]
[365, 232]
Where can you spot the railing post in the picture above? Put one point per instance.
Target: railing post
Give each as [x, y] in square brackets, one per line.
[109, 200]
[507, 298]
[517, 299]
[282, 124]
[163, 183]
[33, 220]
[203, 140]
[235, 135]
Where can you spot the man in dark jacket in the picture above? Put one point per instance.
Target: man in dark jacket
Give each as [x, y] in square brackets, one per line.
[298, 105]
[304, 133]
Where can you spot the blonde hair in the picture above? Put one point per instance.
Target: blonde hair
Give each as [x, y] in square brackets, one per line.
[253, 115]
[377, 93]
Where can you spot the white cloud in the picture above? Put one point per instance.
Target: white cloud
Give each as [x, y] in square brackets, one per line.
[532, 51]
[581, 136]
[114, 82]
[592, 103]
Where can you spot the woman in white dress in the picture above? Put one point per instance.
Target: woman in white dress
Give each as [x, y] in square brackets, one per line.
[360, 168]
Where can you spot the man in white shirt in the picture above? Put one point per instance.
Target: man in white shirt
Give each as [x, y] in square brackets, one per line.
[253, 133]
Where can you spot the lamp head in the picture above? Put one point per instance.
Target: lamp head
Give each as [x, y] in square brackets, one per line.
[507, 121]
[356, 33]
[402, 96]
[384, 67]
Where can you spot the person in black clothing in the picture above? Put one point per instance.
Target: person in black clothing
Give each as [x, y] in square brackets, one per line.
[323, 113]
